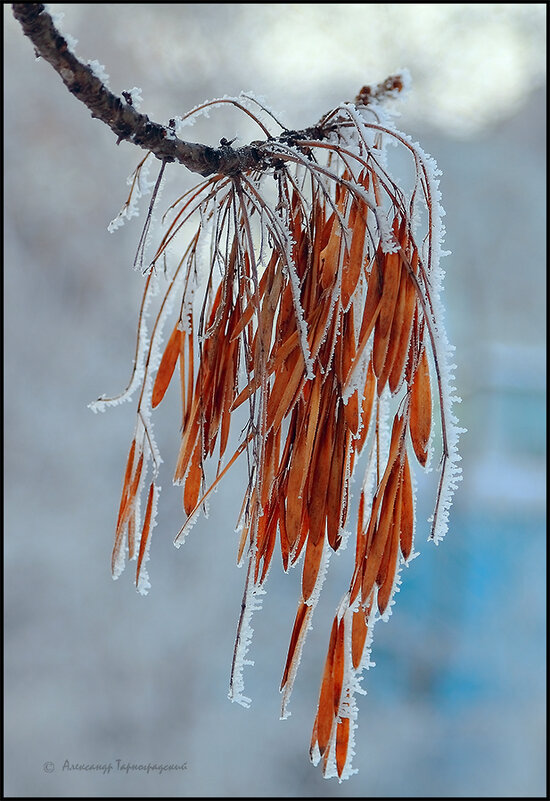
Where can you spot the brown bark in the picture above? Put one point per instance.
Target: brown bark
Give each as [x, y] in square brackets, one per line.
[123, 119]
[131, 126]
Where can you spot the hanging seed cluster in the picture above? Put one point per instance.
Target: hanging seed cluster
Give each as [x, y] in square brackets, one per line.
[308, 295]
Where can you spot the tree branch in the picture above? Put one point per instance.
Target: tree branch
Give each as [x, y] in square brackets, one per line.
[121, 117]
[131, 126]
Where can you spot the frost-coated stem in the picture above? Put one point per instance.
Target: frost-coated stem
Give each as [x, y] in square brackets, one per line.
[129, 124]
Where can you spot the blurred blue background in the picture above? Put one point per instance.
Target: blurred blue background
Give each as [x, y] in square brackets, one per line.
[456, 705]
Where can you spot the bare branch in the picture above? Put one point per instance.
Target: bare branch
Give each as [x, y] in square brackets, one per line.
[131, 126]
[120, 115]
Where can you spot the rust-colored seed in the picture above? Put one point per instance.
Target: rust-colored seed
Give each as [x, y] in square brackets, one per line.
[359, 631]
[325, 714]
[407, 512]
[312, 562]
[167, 366]
[297, 633]
[342, 741]
[193, 482]
[420, 423]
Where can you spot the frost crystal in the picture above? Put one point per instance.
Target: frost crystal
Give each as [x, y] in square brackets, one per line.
[99, 71]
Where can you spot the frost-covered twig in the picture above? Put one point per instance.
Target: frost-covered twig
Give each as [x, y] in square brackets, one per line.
[121, 115]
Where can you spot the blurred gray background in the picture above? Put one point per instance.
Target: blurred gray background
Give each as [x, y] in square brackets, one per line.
[93, 671]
